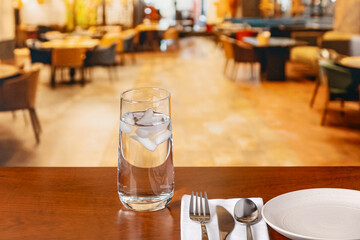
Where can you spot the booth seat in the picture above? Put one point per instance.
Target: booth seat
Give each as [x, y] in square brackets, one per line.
[343, 43]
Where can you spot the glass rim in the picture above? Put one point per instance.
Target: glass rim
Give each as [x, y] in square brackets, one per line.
[153, 101]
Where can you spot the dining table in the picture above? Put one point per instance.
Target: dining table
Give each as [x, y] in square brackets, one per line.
[75, 42]
[353, 64]
[83, 203]
[151, 34]
[273, 55]
[152, 27]
[8, 71]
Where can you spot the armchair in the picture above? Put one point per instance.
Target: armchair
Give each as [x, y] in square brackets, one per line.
[19, 93]
[340, 85]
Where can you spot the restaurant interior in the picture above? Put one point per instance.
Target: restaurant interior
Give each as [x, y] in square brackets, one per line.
[236, 99]
[246, 81]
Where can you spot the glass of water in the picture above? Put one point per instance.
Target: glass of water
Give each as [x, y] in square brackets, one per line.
[145, 162]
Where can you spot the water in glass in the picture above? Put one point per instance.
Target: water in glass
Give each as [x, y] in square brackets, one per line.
[145, 169]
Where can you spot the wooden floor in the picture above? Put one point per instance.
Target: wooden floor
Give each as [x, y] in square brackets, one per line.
[216, 121]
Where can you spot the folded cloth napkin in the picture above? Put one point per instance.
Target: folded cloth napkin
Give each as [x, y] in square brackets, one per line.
[191, 230]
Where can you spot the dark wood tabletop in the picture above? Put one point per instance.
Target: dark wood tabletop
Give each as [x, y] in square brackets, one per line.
[82, 203]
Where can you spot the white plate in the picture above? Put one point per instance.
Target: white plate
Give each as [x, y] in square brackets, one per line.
[316, 214]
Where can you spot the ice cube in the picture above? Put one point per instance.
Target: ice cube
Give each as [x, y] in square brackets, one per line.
[156, 119]
[146, 118]
[124, 127]
[129, 118]
[145, 132]
[162, 137]
[147, 143]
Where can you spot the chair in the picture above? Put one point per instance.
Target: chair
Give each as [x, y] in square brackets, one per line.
[41, 30]
[19, 93]
[228, 50]
[217, 37]
[22, 57]
[127, 44]
[342, 43]
[322, 54]
[129, 47]
[102, 56]
[142, 40]
[171, 36]
[37, 53]
[110, 38]
[243, 53]
[149, 40]
[340, 85]
[68, 58]
[40, 55]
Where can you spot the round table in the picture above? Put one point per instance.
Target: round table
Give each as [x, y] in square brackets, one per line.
[351, 62]
[7, 71]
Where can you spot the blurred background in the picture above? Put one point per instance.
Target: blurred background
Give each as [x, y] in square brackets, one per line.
[260, 82]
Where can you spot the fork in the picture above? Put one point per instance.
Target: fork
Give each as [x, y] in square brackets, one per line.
[201, 214]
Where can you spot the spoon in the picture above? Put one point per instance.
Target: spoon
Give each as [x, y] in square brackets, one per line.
[246, 212]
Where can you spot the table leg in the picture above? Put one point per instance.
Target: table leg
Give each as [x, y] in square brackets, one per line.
[261, 56]
[276, 58]
[72, 75]
[53, 72]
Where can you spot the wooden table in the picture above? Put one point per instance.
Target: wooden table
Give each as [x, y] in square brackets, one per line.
[151, 34]
[7, 71]
[84, 43]
[273, 55]
[82, 203]
[353, 64]
[71, 43]
[152, 27]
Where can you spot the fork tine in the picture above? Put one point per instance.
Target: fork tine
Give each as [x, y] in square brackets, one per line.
[201, 212]
[191, 210]
[207, 209]
[196, 205]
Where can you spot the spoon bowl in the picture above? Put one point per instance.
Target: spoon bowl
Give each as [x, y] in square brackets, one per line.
[246, 212]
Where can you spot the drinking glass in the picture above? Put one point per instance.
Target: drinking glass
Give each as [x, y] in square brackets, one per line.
[145, 161]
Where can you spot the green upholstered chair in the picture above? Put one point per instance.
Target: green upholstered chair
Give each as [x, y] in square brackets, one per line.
[322, 54]
[340, 85]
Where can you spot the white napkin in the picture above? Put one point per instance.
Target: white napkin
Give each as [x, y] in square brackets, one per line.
[191, 230]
